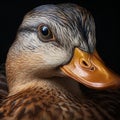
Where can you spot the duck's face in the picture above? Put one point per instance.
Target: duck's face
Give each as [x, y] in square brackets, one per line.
[54, 38]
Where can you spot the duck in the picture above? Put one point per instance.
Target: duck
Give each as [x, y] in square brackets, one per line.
[54, 72]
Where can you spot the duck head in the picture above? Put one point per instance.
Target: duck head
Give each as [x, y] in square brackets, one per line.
[58, 40]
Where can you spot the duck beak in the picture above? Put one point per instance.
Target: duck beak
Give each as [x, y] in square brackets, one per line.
[90, 70]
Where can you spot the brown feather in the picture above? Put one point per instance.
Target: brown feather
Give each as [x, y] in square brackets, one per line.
[43, 104]
[3, 83]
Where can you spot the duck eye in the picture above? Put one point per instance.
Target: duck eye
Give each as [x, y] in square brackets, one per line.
[45, 33]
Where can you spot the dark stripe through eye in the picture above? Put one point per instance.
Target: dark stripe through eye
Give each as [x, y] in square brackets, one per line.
[27, 29]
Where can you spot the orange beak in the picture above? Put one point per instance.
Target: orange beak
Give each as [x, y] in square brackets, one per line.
[90, 70]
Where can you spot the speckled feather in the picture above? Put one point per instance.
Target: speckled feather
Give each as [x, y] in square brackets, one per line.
[41, 104]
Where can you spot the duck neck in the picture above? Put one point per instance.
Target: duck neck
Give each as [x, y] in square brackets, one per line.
[65, 85]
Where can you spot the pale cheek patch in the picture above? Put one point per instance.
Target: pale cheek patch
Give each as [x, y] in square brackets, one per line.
[55, 57]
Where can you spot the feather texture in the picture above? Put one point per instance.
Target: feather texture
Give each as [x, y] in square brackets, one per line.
[3, 83]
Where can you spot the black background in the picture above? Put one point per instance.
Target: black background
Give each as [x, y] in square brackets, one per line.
[106, 14]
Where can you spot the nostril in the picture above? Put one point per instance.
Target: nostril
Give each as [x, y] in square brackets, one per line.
[92, 68]
[85, 63]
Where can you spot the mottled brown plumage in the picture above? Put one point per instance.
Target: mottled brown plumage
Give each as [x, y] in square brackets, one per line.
[53, 103]
[38, 89]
